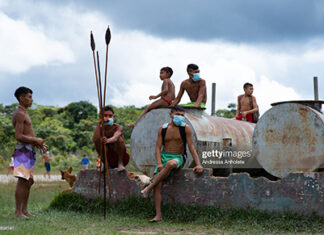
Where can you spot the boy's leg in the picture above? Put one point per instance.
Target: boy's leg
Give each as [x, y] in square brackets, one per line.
[157, 202]
[25, 202]
[20, 195]
[156, 104]
[165, 172]
[119, 148]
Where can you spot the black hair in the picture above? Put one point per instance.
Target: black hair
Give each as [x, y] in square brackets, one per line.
[168, 70]
[177, 108]
[108, 108]
[246, 85]
[22, 91]
[192, 67]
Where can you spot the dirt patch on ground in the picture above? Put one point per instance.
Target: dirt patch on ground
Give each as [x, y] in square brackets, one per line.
[37, 178]
[157, 230]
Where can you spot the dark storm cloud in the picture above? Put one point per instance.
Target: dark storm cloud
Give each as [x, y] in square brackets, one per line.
[230, 20]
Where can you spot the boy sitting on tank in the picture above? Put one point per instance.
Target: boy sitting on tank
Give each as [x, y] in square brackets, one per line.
[195, 87]
[167, 94]
[246, 104]
[173, 136]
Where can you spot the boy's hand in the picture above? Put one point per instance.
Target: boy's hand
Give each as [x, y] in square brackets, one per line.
[105, 140]
[39, 142]
[152, 97]
[198, 169]
[160, 167]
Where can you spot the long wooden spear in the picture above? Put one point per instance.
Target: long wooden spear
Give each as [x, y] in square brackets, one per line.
[103, 144]
[93, 48]
[101, 107]
[107, 38]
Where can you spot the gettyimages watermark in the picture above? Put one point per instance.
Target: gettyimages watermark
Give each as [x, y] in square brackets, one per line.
[225, 158]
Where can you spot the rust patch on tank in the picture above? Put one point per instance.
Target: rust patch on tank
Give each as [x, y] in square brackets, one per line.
[270, 137]
[303, 112]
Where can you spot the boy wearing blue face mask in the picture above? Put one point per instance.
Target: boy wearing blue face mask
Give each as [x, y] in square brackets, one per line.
[114, 140]
[195, 87]
[167, 94]
[173, 155]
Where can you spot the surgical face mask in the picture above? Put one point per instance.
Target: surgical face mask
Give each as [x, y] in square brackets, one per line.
[47, 153]
[196, 77]
[177, 120]
[110, 122]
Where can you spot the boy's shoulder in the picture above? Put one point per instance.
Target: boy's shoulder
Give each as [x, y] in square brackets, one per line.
[18, 114]
[168, 80]
[201, 81]
[117, 125]
[185, 82]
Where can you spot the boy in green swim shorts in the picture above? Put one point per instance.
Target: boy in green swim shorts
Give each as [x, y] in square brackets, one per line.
[173, 136]
[195, 87]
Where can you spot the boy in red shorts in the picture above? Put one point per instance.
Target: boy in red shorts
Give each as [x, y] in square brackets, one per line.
[246, 104]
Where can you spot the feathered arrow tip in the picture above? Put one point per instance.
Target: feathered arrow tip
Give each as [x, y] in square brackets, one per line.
[108, 36]
[93, 45]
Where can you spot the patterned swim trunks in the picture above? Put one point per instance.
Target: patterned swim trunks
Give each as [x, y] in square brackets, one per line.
[24, 161]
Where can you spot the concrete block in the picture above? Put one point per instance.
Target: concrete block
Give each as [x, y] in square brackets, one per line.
[301, 193]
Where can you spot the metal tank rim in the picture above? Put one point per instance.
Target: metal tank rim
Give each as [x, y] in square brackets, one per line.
[315, 104]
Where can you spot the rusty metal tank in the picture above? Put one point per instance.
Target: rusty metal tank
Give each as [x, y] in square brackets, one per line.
[289, 137]
[209, 134]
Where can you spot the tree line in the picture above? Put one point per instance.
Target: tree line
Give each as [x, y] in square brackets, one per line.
[70, 129]
[66, 130]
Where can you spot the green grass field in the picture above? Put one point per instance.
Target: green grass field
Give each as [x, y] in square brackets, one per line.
[70, 214]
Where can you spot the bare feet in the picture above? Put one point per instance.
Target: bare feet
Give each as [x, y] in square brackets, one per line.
[121, 167]
[20, 215]
[131, 125]
[28, 214]
[145, 192]
[156, 219]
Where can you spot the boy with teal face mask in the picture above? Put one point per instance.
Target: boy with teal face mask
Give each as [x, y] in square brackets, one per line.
[114, 140]
[172, 158]
[195, 87]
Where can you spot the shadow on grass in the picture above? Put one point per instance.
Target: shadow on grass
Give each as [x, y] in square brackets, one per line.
[207, 216]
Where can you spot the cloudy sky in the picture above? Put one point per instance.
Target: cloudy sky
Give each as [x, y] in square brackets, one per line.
[277, 45]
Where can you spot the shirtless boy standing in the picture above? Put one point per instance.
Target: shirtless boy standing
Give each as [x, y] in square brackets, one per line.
[244, 108]
[46, 161]
[172, 157]
[195, 86]
[24, 155]
[167, 94]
